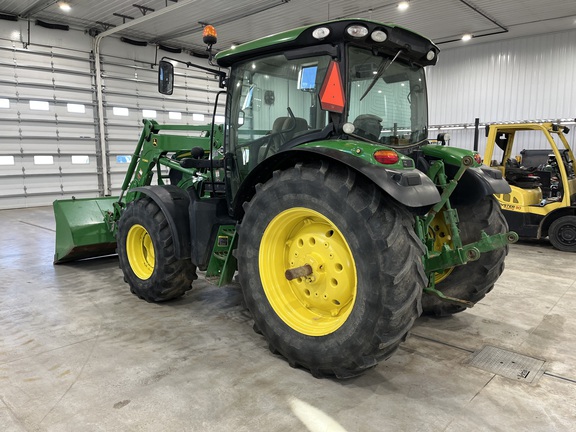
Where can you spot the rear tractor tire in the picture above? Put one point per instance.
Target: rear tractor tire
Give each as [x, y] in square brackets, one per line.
[475, 279]
[331, 269]
[146, 254]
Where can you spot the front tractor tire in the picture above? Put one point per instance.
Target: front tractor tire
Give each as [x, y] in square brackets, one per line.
[355, 276]
[472, 281]
[146, 254]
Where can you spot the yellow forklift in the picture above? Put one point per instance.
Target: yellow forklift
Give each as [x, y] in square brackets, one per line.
[543, 198]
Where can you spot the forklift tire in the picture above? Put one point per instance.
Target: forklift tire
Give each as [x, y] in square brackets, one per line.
[364, 290]
[472, 281]
[146, 254]
[562, 233]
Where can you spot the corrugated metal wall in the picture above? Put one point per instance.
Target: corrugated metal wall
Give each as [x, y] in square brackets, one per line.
[528, 78]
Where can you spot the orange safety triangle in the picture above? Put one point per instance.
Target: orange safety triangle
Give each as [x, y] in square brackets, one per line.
[332, 92]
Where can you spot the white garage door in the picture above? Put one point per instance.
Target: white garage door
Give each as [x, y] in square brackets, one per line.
[48, 148]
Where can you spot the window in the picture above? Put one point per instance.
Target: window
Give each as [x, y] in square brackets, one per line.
[43, 160]
[6, 160]
[80, 159]
[76, 108]
[219, 119]
[39, 105]
[120, 111]
[123, 159]
[387, 100]
[274, 100]
[175, 115]
[198, 117]
[149, 113]
[4, 103]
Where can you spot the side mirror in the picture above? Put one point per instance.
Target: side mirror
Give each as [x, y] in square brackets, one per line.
[165, 77]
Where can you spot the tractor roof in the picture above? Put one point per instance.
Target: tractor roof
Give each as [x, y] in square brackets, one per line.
[416, 47]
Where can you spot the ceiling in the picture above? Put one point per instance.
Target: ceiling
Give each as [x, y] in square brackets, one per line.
[178, 23]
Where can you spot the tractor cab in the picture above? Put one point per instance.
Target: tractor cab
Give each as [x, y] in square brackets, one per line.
[345, 80]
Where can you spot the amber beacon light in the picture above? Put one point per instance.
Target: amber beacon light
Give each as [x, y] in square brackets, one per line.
[209, 35]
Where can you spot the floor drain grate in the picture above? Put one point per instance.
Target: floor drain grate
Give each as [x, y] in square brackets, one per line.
[508, 364]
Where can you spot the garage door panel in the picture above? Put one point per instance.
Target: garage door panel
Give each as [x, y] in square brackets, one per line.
[72, 79]
[11, 173]
[12, 201]
[79, 182]
[7, 89]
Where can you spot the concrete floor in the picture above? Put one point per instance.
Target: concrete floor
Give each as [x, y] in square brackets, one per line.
[78, 352]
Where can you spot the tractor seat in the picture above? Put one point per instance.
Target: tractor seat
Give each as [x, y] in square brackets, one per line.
[283, 130]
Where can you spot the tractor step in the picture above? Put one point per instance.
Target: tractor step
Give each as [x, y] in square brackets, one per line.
[222, 263]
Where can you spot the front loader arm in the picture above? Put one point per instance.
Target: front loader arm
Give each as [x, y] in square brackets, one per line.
[151, 152]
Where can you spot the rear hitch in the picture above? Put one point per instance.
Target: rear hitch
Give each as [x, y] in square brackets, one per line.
[454, 253]
[448, 299]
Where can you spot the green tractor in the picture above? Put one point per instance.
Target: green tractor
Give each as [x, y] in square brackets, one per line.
[344, 223]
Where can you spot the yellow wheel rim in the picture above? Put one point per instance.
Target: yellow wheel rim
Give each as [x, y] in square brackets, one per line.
[442, 235]
[140, 251]
[319, 303]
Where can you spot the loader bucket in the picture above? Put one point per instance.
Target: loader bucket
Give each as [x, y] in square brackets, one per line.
[81, 231]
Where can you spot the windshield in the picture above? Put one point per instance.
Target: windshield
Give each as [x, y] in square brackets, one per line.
[394, 111]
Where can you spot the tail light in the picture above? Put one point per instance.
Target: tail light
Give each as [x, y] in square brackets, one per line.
[386, 157]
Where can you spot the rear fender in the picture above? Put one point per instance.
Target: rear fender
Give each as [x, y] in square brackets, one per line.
[174, 203]
[410, 187]
[477, 182]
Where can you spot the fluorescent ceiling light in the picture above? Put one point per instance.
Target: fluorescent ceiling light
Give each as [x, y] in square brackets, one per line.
[466, 37]
[64, 6]
[403, 5]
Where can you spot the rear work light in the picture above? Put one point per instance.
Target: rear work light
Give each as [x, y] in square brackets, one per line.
[386, 157]
[357, 31]
[379, 36]
[321, 33]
